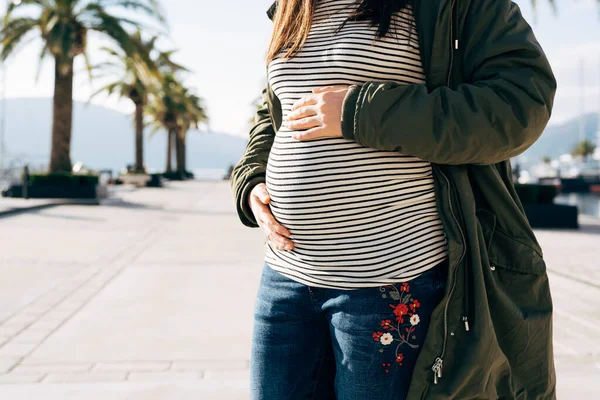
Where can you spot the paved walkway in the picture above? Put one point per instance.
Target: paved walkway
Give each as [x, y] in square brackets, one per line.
[118, 301]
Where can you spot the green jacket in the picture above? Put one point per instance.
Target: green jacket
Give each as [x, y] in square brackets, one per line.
[488, 96]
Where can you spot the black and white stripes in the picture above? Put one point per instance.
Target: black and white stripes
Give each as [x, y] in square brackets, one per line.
[358, 216]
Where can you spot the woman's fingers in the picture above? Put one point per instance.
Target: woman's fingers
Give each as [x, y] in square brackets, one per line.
[312, 133]
[306, 111]
[275, 226]
[304, 123]
[277, 234]
[260, 191]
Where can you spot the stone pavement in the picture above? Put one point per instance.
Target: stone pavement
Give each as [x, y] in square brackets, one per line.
[150, 296]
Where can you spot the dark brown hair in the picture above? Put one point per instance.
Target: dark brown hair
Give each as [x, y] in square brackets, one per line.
[293, 18]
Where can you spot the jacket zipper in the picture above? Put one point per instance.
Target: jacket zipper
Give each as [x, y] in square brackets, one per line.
[439, 361]
[452, 44]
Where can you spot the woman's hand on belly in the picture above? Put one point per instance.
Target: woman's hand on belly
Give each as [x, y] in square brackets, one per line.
[276, 233]
[318, 114]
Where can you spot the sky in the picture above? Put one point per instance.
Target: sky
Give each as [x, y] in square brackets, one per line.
[224, 44]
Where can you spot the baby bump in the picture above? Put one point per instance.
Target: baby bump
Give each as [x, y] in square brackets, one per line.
[321, 185]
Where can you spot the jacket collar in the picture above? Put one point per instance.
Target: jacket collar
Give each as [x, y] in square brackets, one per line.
[433, 26]
[430, 4]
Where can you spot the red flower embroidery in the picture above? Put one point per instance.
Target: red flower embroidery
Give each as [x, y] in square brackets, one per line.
[406, 306]
[415, 304]
[387, 324]
[377, 335]
[386, 367]
[400, 311]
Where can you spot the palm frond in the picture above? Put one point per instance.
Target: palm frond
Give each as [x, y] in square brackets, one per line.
[12, 6]
[41, 57]
[13, 32]
[109, 89]
[88, 66]
[151, 8]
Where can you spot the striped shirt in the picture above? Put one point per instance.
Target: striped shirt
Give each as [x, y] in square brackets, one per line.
[358, 216]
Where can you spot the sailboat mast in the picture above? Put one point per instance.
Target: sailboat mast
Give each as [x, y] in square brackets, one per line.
[581, 101]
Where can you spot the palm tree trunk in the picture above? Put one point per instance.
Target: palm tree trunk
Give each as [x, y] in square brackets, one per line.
[184, 151]
[169, 150]
[139, 137]
[62, 118]
[179, 151]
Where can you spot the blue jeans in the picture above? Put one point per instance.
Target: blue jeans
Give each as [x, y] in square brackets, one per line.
[318, 343]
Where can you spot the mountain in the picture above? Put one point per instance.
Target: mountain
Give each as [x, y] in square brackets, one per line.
[561, 138]
[104, 138]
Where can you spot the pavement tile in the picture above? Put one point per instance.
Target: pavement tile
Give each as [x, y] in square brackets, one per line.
[228, 375]
[11, 349]
[17, 378]
[11, 329]
[216, 365]
[164, 376]
[52, 368]
[68, 307]
[66, 377]
[82, 295]
[132, 366]
[60, 314]
[20, 319]
[22, 284]
[7, 363]
[47, 323]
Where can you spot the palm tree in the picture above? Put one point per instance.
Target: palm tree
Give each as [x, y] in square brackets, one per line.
[163, 111]
[176, 110]
[192, 114]
[552, 4]
[584, 149]
[63, 26]
[136, 79]
[534, 4]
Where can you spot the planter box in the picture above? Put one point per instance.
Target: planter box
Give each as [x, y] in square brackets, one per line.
[555, 216]
[174, 176]
[536, 193]
[54, 191]
[156, 180]
[135, 179]
[178, 175]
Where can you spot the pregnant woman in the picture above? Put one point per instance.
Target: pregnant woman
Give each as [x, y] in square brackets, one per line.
[352, 174]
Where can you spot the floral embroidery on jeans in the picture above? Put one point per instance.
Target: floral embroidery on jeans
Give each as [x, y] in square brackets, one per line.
[397, 333]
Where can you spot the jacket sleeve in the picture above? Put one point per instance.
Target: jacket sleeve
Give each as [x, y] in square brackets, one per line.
[497, 112]
[251, 169]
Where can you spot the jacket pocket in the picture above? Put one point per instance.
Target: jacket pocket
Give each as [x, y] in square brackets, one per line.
[506, 251]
